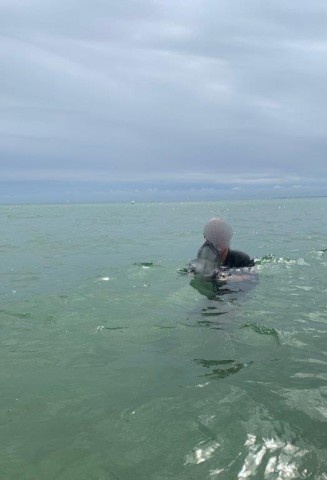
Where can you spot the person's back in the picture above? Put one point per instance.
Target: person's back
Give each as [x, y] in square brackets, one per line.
[237, 259]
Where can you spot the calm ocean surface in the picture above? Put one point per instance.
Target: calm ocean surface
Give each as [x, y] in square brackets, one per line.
[116, 366]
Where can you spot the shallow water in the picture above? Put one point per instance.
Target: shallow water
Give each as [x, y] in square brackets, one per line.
[116, 366]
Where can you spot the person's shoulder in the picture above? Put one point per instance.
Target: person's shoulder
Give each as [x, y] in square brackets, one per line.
[238, 259]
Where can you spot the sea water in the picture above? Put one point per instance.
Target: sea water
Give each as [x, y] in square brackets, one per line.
[116, 365]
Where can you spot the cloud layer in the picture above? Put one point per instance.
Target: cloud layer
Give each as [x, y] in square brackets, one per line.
[164, 92]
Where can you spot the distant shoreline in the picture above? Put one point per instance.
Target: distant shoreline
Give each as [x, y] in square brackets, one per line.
[135, 203]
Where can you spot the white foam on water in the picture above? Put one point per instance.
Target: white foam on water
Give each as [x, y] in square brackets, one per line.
[202, 452]
[306, 288]
[216, 472]
[282, 463]
[253, 459]
[202, 385]
[301, 261]
[273, 443]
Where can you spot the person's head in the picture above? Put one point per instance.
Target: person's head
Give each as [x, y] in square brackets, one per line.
[219, 233]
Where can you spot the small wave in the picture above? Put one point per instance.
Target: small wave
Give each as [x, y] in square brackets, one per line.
[20, 315]
[220, 369]
[202, 452]
[284, 461]
[184, 270]
[144, 264]
[211, 312]
[262, 330]
[270, 258]
[100, 328]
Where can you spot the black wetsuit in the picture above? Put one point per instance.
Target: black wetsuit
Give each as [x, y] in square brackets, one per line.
[237, 259]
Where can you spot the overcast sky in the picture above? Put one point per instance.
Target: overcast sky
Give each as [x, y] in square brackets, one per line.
[157, 99]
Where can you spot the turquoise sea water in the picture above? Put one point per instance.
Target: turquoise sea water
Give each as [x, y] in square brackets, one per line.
[116, 366]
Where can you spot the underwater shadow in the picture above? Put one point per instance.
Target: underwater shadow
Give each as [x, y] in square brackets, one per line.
[221, 301]
[213, 289]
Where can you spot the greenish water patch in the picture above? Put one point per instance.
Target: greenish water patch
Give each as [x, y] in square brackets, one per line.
[117, 370]
[262, 330]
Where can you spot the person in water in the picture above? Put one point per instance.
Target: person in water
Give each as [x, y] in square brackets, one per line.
[215, 255]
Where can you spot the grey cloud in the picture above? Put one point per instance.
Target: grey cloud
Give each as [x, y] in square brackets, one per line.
[163, 89]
